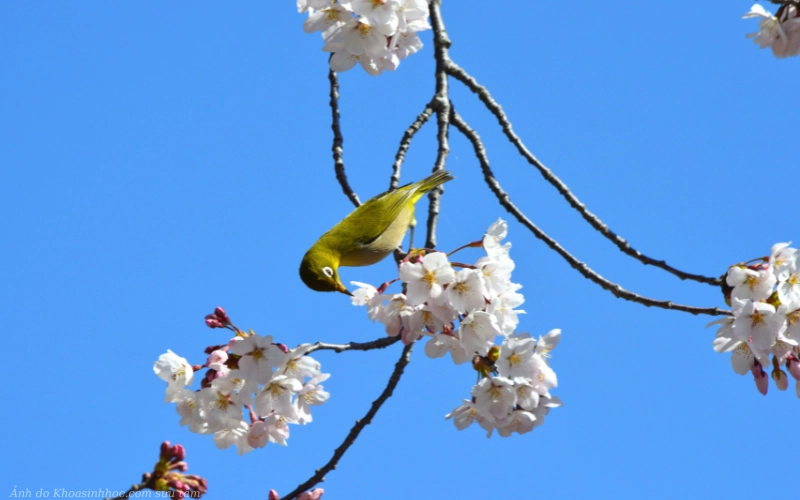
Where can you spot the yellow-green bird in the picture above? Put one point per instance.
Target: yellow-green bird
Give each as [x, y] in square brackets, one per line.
[371, 232]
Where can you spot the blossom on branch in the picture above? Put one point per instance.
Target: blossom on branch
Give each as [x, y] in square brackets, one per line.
[463, 313]
[765, 322]
[780, 32]
[250, 376]
[377, 34]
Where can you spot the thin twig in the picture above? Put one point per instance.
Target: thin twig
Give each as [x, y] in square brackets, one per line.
[319, 474]
[338, 141]
[131, 491]
[405, 142]
[441, 104]
[460, 74]
[355, 346]
[585, 270]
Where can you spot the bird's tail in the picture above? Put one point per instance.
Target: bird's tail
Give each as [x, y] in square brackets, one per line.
[435, 179]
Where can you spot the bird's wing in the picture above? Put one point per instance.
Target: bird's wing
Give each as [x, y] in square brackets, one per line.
[369, 221]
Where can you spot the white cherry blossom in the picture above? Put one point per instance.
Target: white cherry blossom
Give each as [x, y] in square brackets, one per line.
[516, 357]
[277, 428]
[789, 279]
[527, 397]
[175, 371]
[426, 280]
[390, 316]
[521, 422]
[441, 344]
[297, 364]
[276, 396]
[493, 238]
[502, 307]
[749, 283]
[543, 378]
[380, 12]
[495, 398]
[367, 295]
[312, 394]
[757, 323]
[478, 331]
[305, 5]
[258, 356]
[257, 436]
[220, 408]
[496, 274]
[235, 435]
[466, 292]
[464, 415]
[332, 16]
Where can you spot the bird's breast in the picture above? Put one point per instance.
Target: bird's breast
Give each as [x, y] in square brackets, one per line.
[383, 245]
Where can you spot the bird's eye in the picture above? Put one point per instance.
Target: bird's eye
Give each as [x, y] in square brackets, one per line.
[328, 271]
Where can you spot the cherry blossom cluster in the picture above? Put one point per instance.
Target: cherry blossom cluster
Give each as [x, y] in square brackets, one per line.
[377, 34]
[765, 302]
[780, 32]
[462, 313]
[277, 386]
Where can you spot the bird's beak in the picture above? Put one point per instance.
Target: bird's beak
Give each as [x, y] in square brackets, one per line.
[341, 288]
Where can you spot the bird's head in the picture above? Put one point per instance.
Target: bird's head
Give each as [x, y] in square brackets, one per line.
[320, 271]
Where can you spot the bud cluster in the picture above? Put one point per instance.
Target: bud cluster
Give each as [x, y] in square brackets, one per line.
[780, 32]
[378, 34]
[462, 313]
[276, 386]
[168, 474]
[765, 301]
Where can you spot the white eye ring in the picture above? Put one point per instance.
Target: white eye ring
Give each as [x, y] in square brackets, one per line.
[328, 271]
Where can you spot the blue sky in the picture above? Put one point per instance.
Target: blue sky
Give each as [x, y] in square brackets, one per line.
[161, 159]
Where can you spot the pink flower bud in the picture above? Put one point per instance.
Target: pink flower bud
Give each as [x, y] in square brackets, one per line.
[165, 450]
[273, 495]
[793, 365]
[179, 466]
[178, 452]
[212, 348]
[781, 379]
[213, 322]
[760, 376]
[217, 357]
[282, 347]
[315, 494]
[222, 315]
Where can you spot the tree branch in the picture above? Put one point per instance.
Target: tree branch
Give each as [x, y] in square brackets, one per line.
[319, 476]
[585, 270]
[405, 142]
[338, 141]
[460, 74]
[380, 343]
[131, 491]
[441, 104]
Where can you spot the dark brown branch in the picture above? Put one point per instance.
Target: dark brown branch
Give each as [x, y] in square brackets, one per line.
[131, 491]
[460, 74]
[441, 104]
[585, 270]
[355, 346]
[319, 474]
[338, 141]
[405, 142]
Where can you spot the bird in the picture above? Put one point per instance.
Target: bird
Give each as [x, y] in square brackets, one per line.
[366, 236]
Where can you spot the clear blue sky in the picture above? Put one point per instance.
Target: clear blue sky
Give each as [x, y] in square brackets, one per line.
[163, 158]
